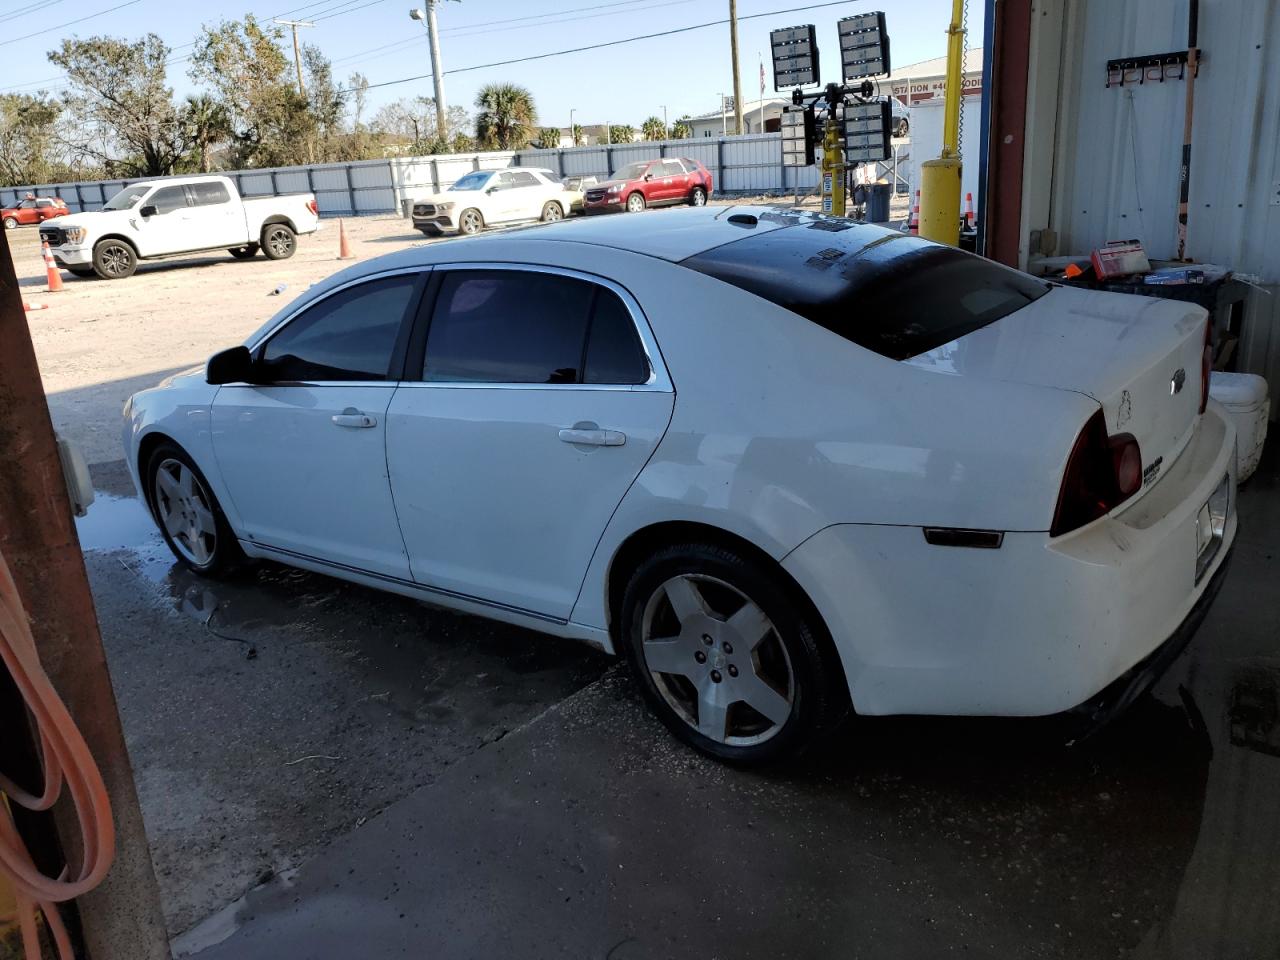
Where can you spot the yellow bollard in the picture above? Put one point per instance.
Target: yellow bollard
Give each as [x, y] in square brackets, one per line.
[940, 200]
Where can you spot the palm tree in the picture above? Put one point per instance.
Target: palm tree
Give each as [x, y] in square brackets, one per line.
[654, 129]
[621, 133]
[683, 129]
[208, 123]
[506, 117]
[548, 138]
[579, 137]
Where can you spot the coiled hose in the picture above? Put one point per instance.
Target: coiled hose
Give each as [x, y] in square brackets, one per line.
[66, 761]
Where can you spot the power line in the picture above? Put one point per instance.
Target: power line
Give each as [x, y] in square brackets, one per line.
[15, 14]
[70, 23]
[611, 43]
[536, 16]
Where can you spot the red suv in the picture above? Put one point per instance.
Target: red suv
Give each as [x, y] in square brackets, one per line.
[648, 183]
[32, 209]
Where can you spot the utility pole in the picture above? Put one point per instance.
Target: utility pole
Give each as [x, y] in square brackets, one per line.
[297, 55]
[737, 82]
[666, 130]
[437, 71]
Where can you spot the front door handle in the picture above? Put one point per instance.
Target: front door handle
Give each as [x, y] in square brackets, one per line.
[593, 436]
[351, 417]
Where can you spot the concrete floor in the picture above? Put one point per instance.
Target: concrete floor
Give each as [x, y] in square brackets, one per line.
[324, 768]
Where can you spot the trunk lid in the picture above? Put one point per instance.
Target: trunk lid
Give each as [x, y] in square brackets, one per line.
[1139, 357]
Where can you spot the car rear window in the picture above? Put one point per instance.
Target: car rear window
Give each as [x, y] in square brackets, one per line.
[892, 293]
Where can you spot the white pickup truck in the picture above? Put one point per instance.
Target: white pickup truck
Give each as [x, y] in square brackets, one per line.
[162, 218]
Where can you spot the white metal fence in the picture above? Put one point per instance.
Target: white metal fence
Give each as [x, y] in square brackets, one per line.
[740, 165]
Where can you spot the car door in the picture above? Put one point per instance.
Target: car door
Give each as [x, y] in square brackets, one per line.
[46, 209]
[302, 451]
[167, 230]
[536, 407]
[526, 196]
[26, 212]
[218, 221]
[674, 181]
[499, 195]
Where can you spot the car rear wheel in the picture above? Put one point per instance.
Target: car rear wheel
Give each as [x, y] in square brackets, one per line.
[10, 223]
[635, 202]
[552, 212]
[188, 514]
[114, 260]
[471, 222]
[727, 656]
[279, 242]
[247, 252]
[698, 198]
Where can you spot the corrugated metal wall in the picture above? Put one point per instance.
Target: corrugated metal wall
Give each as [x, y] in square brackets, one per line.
[1117, 160]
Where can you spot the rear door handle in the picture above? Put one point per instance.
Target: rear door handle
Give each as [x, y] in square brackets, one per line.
[351, 417]
[593, 436]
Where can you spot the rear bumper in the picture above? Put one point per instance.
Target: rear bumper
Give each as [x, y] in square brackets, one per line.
[1038, 626]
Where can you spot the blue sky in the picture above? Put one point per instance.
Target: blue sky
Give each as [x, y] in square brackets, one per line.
[625, 83]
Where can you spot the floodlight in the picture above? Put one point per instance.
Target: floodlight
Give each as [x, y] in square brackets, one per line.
[797, 136]
[866, 131]
[864, 46]
[795, 56]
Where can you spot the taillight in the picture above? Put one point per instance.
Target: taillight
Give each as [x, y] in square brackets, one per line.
[1206, 364]
[313, 207]
[1102, 473]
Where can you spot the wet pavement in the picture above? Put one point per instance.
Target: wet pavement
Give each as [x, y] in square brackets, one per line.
[504, 794]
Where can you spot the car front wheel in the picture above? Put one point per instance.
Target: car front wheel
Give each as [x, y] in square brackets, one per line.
[470, 223]
[279, 242]
[114, 260]
[698, 198]
[635, 202]
[728, 658]
[188, 514]
[10, 223]
[552, 212]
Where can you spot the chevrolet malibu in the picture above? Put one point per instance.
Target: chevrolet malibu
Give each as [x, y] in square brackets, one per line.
[790, 466]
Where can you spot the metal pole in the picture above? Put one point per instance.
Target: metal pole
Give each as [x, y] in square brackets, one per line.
[1184, 184]
[437, 71]
[737, 83]
[573, 141]
[297, 55]
[123, 917]
[666, 130]
[724, 126]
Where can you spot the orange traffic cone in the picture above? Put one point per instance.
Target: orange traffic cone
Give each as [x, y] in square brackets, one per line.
[968, 211]
[344, 246]
[913, 227]
[52, 274]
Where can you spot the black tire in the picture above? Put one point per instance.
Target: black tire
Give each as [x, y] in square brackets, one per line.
[904, 127]
[225, 554]
[636, 202]
[470, 222]
[279, 242]
[10, 223]
[698, 197]
[552, 211]
[796, 642]
[85, 272]
[114, 259]
[247, 252]
[431, 231]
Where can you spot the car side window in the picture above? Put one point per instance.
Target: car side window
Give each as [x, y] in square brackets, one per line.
[210, 193]
[507, 326]
[672, 168]
[168, 199]
[44, 203]
[524, 179]
[614, 351]
[503, 181]
[350, 335]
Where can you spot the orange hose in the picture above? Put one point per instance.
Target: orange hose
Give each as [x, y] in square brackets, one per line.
[66, 762]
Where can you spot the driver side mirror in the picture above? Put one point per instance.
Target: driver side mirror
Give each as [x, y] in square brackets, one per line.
[493, 189]
[149, 210]
[648, 176]
[234, 365]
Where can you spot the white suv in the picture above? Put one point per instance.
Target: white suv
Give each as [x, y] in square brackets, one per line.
[492, 196]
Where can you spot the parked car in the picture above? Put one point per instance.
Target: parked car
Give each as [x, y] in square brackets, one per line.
[488, 197]
[901, 118]
[32, 209]
[577, 186]
[785, 463]
[161, 218]
[648, 183]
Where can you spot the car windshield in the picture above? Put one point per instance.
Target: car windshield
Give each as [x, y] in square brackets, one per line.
[892, 293]
[126, 198]
[632, 171]
[472, 181]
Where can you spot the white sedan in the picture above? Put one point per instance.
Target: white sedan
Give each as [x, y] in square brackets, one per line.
[786, 463]
[489, 197]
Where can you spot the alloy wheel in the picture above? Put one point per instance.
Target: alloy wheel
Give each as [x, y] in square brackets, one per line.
[699, 197]
[552, 212]
[470, 222]
[185, 511]
[280, 242]
[635, 203]
[116, 260]
[717, 660]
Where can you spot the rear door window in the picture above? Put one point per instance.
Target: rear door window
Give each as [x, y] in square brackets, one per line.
[168, 199]
[894, 294]
[209, 193]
